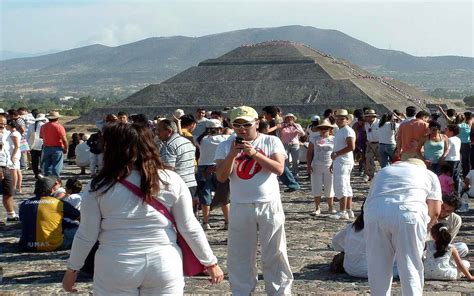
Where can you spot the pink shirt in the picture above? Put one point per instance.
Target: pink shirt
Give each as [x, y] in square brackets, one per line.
[447, 184]
[290, 134]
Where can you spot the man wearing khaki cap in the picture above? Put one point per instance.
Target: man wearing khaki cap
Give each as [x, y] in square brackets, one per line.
[252, 161]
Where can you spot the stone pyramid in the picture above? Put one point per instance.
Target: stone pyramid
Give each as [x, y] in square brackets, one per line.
[294, 76]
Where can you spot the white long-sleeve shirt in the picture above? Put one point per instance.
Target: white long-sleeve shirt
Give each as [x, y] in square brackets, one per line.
[352, 243]
[119, 218]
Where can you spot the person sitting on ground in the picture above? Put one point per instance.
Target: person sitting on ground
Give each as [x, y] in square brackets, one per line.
[447, 215]
[446, 180]
[44, 227]
[59, 191]
[71, 152]
[351, 241]
[83, 155]
[73, 193]
[440, 254]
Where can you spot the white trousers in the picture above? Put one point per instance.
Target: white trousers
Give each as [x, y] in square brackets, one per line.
[320, 177]
[342, 179]
[390, 234]
[247, 223]
[154, 271]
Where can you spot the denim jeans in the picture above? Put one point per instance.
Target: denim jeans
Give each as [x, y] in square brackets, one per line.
[294, 151]
[288, 180]
[52, 161]
[386, 152]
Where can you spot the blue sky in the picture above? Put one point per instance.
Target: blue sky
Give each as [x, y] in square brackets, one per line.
[416, 27]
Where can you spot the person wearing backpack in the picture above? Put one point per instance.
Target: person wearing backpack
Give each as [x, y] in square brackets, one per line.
[36, 143]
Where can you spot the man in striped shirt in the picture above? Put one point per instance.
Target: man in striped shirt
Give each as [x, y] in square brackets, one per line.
[178, 153]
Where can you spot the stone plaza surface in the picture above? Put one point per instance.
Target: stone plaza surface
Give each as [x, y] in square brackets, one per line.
[308, 237]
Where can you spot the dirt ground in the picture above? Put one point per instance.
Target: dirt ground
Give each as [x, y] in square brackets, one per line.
[309, 251]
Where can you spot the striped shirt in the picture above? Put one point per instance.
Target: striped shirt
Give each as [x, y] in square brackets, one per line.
[179, 153]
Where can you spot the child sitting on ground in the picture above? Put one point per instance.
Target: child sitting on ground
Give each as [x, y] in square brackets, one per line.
[59, 191]
[446, 181]
[73, 193]
[439, 255]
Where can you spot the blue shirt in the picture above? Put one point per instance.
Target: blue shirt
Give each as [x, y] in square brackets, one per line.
[464, 132]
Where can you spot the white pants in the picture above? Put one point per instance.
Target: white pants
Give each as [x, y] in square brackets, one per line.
[155, 271]
[342, 179]
[392, 233]
[321, 176]
[96, 163]
[265, 221]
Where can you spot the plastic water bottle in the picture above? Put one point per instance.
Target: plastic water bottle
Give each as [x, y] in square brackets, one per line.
[464, 203]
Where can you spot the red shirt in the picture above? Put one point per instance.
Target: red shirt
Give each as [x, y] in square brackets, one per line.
[52, 133]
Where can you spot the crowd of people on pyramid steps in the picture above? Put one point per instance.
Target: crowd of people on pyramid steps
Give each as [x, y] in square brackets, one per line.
[192, 164]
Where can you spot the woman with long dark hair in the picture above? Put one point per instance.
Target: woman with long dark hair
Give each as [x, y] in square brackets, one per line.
[138, 253]
[351, 241]
[388, 128]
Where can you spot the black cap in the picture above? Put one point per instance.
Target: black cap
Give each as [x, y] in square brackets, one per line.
[44, 185]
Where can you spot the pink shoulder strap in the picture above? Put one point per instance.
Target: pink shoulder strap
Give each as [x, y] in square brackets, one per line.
[157, 205]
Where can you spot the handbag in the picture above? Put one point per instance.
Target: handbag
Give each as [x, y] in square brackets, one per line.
[191, 265]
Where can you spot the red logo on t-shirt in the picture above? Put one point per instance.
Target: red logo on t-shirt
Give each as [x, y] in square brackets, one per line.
[247, 167]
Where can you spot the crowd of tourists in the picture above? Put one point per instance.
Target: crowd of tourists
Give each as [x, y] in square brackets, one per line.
[152, 179]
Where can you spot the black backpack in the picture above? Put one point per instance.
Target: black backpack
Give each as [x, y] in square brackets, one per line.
[95, 143]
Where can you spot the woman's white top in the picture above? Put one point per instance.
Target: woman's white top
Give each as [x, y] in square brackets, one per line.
[323, 147]
[17, 135]
[440, 268]
[208, 147]
[120, 219]
[387, 134]
[454, 149]
[352, 243]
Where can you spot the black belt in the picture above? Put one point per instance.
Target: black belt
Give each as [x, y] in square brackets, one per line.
[373, 142]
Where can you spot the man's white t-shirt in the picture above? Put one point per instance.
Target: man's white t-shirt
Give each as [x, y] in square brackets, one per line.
[372, 130]
[340, 143]
[249, 182]
[454, 149]
[405, 186]
[208, 147]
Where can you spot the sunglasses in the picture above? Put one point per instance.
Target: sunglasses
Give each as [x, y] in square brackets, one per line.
[242, 125]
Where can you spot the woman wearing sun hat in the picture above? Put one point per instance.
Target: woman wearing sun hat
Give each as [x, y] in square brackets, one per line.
[289, 134]
[318, 164]
[343, 161]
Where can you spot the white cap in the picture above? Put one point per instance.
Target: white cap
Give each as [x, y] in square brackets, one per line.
[178, 113]
[315, 118]
[213, 123]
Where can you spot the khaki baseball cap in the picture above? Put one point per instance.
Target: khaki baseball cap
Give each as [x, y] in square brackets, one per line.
[243, 112]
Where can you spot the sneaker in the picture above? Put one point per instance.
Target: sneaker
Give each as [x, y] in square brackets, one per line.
[206, 226]
[333, 211]
[366, 178]
[13, 219]
[340, 216]
[351, 214]
[316, 213]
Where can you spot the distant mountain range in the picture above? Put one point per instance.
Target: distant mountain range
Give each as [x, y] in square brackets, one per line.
[102, 70]
[8, 55]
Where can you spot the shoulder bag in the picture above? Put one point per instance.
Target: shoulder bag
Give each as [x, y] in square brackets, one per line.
[191, 265]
